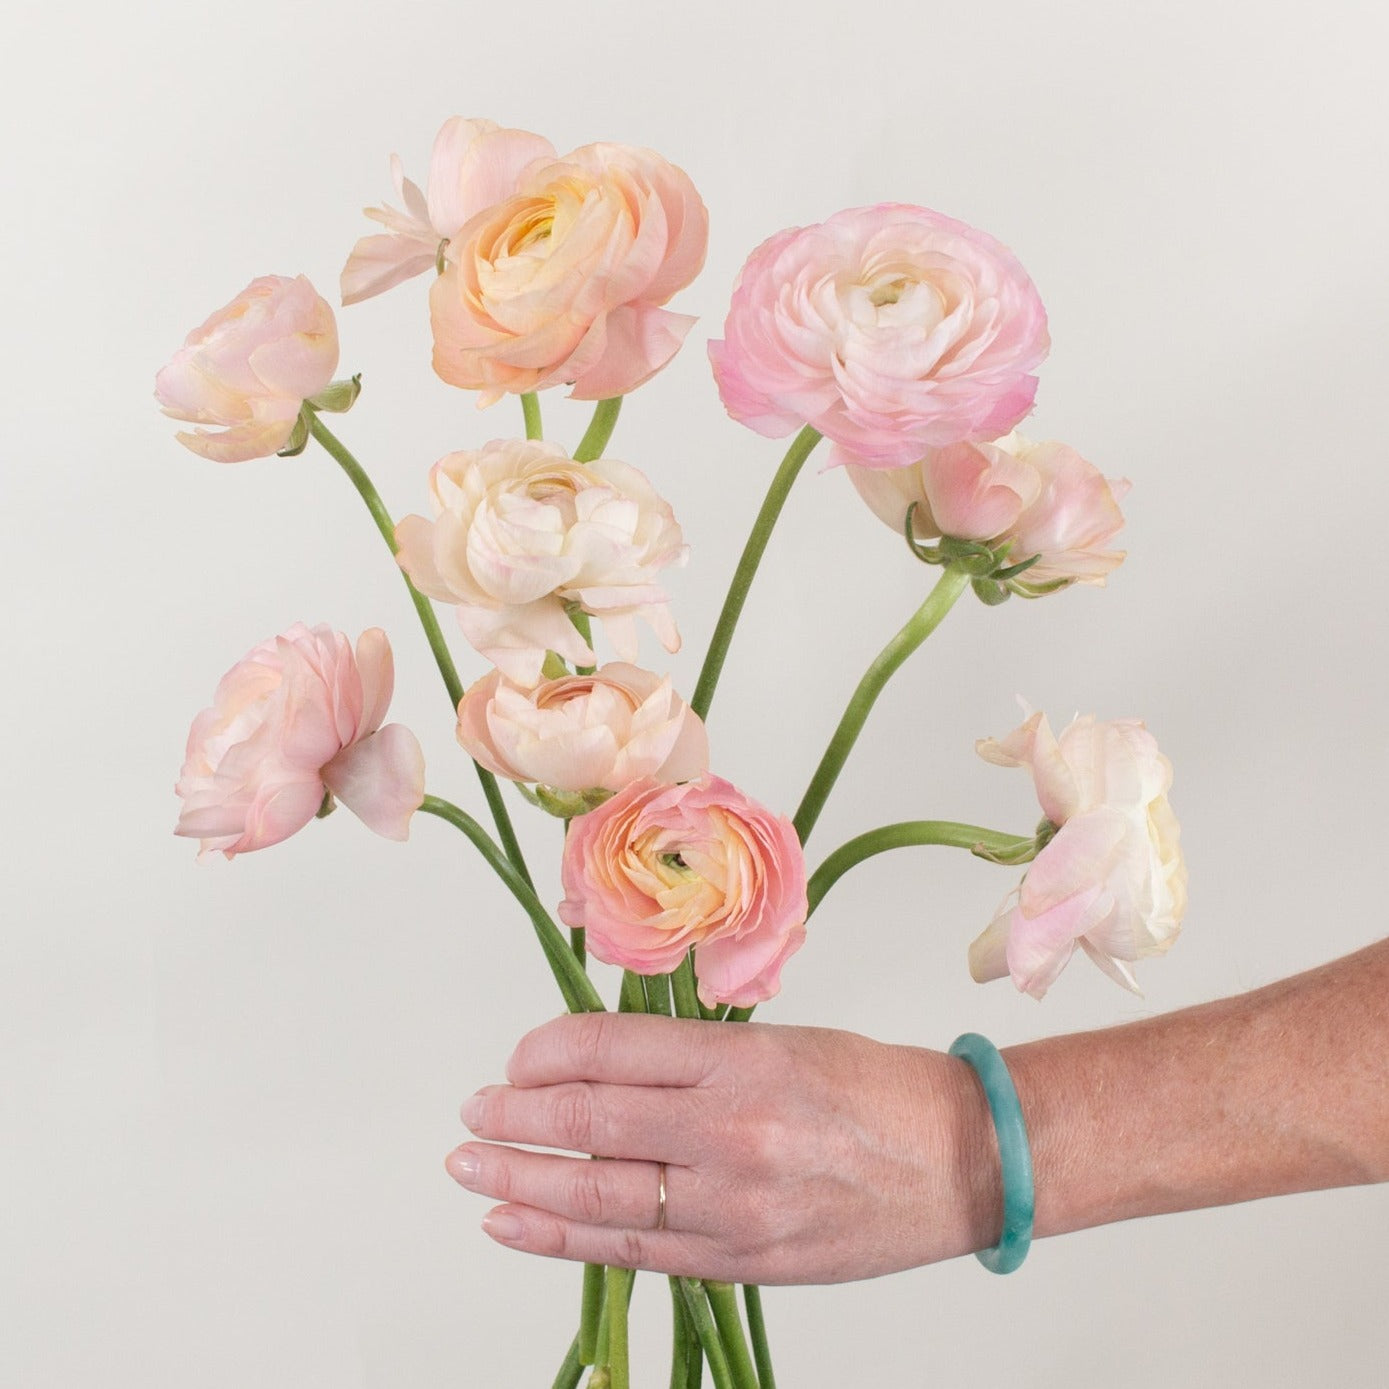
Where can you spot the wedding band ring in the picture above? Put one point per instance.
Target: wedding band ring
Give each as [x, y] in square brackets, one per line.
[661, 1196]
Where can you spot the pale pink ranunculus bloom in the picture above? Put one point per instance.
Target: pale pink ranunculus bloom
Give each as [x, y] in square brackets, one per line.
[297, 717]
[584, 732]
[1112, 881]
[475, 164]
[250, 368]
[659, 869]
[562, 281]
[520, 530]
[1041, 499]
[890, 329]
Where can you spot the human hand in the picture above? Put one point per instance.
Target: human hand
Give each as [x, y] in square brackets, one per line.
[792, 1154]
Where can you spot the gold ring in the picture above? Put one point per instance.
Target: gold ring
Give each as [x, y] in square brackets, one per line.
[661, 1196]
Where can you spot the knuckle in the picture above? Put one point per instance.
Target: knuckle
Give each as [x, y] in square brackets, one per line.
[586, 1195]
[592, 1033]
[573, 1117]
[631, 1248]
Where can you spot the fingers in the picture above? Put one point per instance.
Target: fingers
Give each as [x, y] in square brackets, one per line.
[611, 1121]
[619, 1049]
[661, 1251]
[623, 1195]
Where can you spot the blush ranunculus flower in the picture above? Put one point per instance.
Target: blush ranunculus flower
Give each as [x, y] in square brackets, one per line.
[890, 329]
[475, 164]
[582, 732]
[1043, 499]
[1112, 880]
[520, 530]
[562, 280]
[658, 869]
[297, 717]
[250, 368]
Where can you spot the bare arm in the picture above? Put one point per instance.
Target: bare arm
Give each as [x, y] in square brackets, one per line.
[808, 1155]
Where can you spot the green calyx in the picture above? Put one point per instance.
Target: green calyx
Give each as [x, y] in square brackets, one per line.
[564, 804]
[298, 440]
[337, 397]
[991, 577]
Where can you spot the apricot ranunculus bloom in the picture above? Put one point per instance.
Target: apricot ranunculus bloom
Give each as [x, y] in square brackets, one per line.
[520, 530]
[890, 329]
[250, 368]
[1112, 881]
[563, 280]
[297, 717]
[1043, 499]
[659, 869]
[582, 732]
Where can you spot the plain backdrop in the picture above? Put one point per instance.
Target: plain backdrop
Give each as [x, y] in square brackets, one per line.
[226, 1091]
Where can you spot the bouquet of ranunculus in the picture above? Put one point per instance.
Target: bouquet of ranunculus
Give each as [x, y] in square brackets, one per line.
[910, 342]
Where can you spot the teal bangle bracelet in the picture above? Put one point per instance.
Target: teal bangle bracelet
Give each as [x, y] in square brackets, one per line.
[1014, 1153]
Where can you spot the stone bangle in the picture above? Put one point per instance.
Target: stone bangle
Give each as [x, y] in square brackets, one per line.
[1014, 1154]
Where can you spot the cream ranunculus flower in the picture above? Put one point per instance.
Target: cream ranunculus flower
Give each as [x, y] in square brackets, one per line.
[584, 732]
[1112, 880]
[520, 531]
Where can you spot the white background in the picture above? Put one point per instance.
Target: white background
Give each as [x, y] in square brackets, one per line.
[227, 1091]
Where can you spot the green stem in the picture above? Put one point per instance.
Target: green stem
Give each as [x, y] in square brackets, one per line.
[584, 628]
[951, 584]
[658, 994]
[724, 1302]
[686, 1354]
[429, 620]
[530, 412]
[599, 431]
[739, 1014]
[901, 836]
[775, 499]
[684, 989]
[571, 1372]
[620, 1281]
[575, 985]
[757, 1330]
[591, 1311]
[691, 1291]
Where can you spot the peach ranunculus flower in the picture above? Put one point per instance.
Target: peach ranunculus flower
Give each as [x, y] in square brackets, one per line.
[1041, 499]
[659, 869]
[297, 718]
[562, 280]
[475, 164]
[250, 368]
[520, 531]
[580, 733]
[890, 329]
[1112, 880]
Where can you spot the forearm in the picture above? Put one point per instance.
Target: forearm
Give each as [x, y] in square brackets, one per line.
[1280, 1090]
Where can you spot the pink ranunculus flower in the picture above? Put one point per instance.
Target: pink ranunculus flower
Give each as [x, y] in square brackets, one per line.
[562, 280]
[582, 732]
[890, 329]
[520, 530]
[1041, 499]
[1112, 881]
[475, 164]
[250, 368]
[658, 869]
[297, 717]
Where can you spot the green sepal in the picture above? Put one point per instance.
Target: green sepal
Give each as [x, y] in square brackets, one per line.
[338, 397]
[927, 554]
[326, 807]
[989, 591]
[1024, 590]
[1013, 570]
[554, 667]
[299, 439]
[564, 804]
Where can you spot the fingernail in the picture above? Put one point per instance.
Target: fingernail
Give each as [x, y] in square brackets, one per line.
[502, 1225]
[462, 1166]
[472, 1111]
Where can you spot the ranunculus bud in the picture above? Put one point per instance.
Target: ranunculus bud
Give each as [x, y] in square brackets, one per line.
[890, 329]
[250, 368]
[582, 732]
[658, 869]
[520, 530]
[1112, 880]
[297, 718]
[1042, 501]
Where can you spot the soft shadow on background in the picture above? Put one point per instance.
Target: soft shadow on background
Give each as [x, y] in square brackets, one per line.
[228, 1090]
